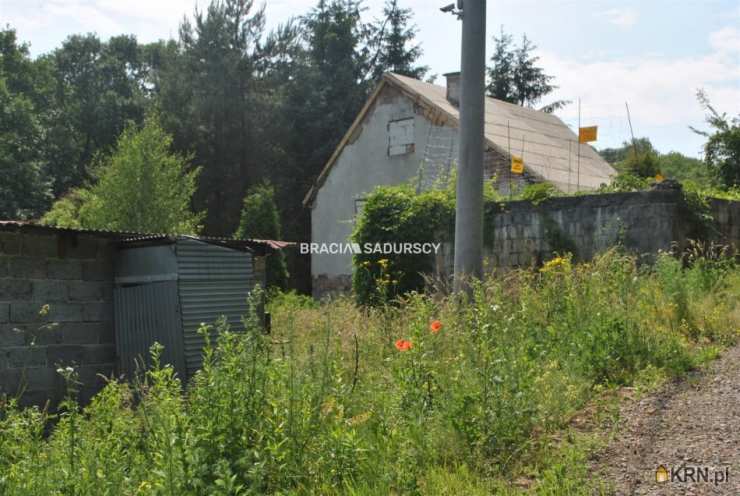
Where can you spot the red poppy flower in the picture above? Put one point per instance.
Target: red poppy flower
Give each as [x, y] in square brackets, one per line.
[403, 345]
[435, 326]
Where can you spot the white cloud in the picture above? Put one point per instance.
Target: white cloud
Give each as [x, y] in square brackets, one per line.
[661, 91]
[622, 18]
[726, 41]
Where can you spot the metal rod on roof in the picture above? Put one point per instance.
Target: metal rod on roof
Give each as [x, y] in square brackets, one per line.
[632, 132]
[508, 135]
[570, 147]
[578, 167]
[522, 147]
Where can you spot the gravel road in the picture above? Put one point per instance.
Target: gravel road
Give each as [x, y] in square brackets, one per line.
[691, 427]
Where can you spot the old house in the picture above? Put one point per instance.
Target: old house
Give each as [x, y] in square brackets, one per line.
[97, 301]
[407, 131]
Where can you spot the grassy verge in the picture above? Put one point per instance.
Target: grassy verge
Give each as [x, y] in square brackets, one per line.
[430, 395]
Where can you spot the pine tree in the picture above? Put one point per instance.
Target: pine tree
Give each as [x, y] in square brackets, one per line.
[514, 76]
[530, 82]
[211, 103]
[260, 220]
[501, 73]
[393, 39]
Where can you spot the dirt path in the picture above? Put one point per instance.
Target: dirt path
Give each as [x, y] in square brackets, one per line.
[687, 425]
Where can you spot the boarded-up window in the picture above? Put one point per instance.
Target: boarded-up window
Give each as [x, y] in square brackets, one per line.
[401, 137]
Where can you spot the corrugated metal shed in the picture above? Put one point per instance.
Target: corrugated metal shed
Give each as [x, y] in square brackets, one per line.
[144, 314]
[214, 282]
[167, 286]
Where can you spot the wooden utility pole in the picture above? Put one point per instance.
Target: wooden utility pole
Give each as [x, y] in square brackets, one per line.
[469, 205]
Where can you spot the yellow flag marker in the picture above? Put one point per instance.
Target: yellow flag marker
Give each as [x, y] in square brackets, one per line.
[588, 134]
[517, 165]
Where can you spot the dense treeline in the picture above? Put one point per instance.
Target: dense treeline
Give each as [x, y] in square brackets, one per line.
[248, 105]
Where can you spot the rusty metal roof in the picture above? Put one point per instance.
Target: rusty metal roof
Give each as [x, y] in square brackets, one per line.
[129, 237]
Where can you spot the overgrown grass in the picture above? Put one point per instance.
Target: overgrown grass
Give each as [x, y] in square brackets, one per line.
[328, 404]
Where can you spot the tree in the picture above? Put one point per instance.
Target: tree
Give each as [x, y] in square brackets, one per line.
[260, 220]
[640, 163]
[722, 149]
[514, 76]
[501, 73]
[24, 186]
[95, 89]
[638, 158]
[392, 39]
[66, 210]
[619, 154]
[216, 100]
[142, 186]
[677, 166]
[327, 87]
[672, 165]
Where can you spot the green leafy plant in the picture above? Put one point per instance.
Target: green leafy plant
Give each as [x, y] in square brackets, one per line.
[142, 186]
[625, 182]
[538, 192]
[260, 220]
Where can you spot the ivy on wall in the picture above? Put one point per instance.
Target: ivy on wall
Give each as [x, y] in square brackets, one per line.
[397, 214]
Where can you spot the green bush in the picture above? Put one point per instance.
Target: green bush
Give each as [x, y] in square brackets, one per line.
[538, 192]
[625, 182]
[398, 214]
[260, 220]
[644, 163]
[142, 186]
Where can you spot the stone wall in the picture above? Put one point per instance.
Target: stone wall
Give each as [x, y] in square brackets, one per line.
[524, 234]
[72, 274]
[727, 220]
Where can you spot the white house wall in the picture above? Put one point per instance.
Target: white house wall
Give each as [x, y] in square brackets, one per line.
[362, 165]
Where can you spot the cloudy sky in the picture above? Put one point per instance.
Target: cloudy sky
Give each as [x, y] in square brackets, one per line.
[652, 54]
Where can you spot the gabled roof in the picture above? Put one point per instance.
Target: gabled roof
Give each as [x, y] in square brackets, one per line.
[550, 148]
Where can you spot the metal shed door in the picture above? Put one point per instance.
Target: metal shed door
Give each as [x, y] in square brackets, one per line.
[145, 313]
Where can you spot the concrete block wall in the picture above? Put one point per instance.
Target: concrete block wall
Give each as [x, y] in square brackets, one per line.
[726, 214]
[645, 222]
[73, 275]
[525, 234]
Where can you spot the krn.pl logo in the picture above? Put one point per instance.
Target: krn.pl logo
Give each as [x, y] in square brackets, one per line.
[661, 474]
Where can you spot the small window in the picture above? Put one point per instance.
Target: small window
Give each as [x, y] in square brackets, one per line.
[401, 137]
